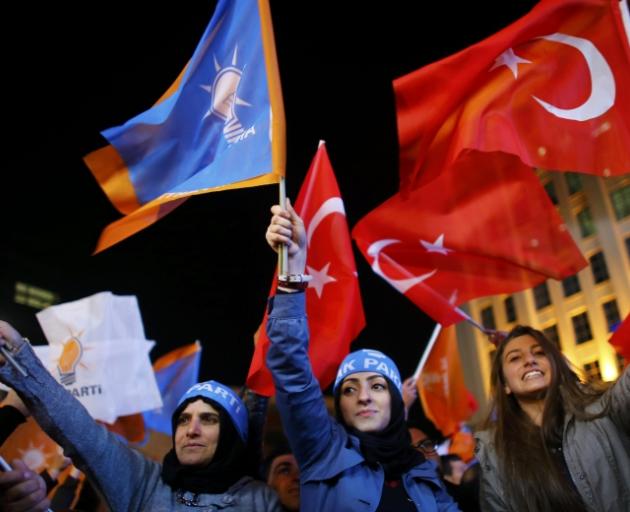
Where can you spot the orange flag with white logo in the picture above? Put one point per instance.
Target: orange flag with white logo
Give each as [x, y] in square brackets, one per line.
[30, 444]
[445, 399]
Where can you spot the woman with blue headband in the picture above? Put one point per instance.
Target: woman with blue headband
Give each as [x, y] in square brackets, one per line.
[363, 460]
[207, 469]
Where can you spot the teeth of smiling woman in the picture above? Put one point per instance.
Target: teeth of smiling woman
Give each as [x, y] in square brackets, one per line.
[532, 375]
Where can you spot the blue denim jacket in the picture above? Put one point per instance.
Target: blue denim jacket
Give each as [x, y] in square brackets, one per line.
[333, 474]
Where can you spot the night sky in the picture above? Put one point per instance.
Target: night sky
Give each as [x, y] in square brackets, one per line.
[203, 272]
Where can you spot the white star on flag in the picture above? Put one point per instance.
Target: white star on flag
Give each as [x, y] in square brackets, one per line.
[511, 60]
[320, 279]
[437, 246]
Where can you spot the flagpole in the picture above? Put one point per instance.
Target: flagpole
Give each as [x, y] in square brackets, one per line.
[283, 254]
[493, 335]
[7, 355]
[427, 352]
[625, 18]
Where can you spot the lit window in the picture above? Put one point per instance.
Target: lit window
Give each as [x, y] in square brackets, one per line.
[599, 267]
[611, 312]
[541, 296]
[620, 199]
[510, 309]
[585, 220]
[574, 182]
[552, 334]
[581, 328]
[551, 192]
[570, 286]
[487, 318]
[33, 296]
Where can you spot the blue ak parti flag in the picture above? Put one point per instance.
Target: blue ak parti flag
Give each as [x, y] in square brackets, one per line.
[175, 373]
[219, 126]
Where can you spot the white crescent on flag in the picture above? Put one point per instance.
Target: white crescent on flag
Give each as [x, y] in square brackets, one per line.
[602, 95]
[328, 207]
[402, 285]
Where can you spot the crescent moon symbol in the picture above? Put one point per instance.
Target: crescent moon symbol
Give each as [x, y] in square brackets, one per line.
[602, 81]
[328, 207]
[402, 285]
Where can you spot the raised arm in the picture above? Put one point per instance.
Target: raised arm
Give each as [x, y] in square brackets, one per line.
[305, 419]
[120, 474]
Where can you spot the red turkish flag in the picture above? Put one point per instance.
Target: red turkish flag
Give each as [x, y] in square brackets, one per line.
[486, 226]
[333, 300]
[621, 339]
[552, 88]
[445, 399]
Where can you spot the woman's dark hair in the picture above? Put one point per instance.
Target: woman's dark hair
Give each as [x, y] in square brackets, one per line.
[531, 476]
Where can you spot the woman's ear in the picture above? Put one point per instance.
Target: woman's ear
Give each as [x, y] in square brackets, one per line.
[507, 389]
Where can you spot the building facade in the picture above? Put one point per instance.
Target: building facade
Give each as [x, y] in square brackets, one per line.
[580, 312]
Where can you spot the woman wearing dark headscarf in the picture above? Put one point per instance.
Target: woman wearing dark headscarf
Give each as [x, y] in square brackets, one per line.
[551, 441]
[363, 460]
[207, 468]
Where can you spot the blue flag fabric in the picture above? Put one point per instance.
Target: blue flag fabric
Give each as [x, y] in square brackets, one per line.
[220, 125]
[175, 373]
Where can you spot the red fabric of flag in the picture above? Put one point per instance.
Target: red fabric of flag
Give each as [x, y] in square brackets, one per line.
[333, 299]
[552, 88]
[445, 399]
[621, 339]
[484, 226]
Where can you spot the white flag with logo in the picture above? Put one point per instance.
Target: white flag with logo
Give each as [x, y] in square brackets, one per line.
[98, 352]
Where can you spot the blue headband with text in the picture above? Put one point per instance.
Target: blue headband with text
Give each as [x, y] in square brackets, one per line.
[367, 360]
[226, 398]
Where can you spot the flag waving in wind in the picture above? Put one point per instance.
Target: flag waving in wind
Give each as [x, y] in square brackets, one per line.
[175, 373]
[445, 398]
[333, 299]
[471, 232]
[553, 88]
[219, 126]
[621, 339]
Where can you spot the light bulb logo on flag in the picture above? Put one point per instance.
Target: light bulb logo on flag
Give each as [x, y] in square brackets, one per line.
[35, 457]
[70, 358]
[224, 100]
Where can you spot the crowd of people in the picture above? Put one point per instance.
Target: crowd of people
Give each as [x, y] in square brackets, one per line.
[551, 442]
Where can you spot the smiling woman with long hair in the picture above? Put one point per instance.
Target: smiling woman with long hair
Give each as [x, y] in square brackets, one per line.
[552, 442]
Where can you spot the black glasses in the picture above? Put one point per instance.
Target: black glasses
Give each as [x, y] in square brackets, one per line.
[426, 445]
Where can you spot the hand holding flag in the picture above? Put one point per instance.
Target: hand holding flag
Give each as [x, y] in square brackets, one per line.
[333, 299]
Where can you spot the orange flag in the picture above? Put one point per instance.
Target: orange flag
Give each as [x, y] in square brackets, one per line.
[30, 444]
[445, 399]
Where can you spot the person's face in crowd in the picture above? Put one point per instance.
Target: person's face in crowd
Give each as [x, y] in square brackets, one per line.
[365, 402]
[284, 478]
[526, 368]
[421, 442]
[197, 434]
[458, 468]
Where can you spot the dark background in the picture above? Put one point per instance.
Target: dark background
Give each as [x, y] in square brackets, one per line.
[203, 272]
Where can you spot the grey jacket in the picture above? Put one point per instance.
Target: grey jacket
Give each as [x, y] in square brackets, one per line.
[126, 479]
[597, 453]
